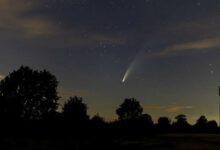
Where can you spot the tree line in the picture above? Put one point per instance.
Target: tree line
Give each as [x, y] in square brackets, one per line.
[30, 97]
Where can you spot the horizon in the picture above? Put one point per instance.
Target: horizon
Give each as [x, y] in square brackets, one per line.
[169, 108]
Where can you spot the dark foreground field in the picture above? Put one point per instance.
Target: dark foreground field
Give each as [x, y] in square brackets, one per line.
[165, 142]
[175, 141]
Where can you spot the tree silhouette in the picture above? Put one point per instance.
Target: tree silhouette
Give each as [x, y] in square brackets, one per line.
[181, 123]
[201, 123]
[181, 119]
[212, 126]
[28, 94]
[97, 120]
[130, 109]
[75, 110]
[146, 120]
[164, 123]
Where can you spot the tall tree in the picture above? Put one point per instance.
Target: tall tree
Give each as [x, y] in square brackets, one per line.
[75, 110]
[28, 94]
[130, 109]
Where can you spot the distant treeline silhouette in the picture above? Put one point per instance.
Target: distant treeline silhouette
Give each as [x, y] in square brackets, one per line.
[29, 106]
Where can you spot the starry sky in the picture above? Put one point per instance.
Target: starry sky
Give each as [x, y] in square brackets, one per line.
[168, 51]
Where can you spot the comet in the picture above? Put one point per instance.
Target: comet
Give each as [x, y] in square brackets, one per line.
[133, 66]
[126, 75]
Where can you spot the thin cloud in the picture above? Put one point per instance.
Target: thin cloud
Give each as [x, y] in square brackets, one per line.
[199, 46]
[195, 46]
[168, 108]
[14, 19]
[173, 109]
[176, 109]
[154, 107]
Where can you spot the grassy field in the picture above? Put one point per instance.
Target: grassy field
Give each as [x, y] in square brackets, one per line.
[159, 142]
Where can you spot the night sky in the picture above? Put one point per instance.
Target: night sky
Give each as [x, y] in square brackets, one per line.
[167, 51]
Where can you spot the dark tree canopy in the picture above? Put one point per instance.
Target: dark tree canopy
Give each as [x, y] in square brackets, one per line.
[201, 122]
[212, 124]
[97, 120]
[130, 109]
[181, 122]
[75, 110]
[181, 119]
[146, 120]
[164, 122]
[28, 94]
